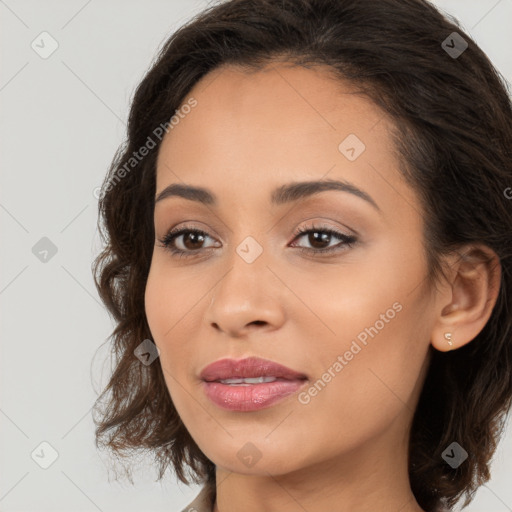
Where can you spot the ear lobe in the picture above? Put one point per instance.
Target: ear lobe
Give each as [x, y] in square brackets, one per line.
[474, 283]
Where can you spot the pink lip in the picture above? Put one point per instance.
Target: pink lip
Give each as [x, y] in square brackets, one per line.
[248, 367]
[253, 396]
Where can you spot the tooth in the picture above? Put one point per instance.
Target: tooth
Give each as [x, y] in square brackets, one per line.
[248, 380]
[259, 380]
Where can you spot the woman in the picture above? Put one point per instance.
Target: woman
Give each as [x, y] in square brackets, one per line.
[308, 257]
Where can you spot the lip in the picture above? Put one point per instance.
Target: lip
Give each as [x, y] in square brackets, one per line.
[250, 397]
[247, 367]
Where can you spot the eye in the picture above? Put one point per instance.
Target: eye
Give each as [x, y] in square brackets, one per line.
[190, 244]
[320, 237]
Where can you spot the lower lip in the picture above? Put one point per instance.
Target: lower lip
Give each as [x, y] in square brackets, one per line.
[252, 397]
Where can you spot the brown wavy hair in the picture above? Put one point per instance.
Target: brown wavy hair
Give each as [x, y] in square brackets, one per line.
[453, 120]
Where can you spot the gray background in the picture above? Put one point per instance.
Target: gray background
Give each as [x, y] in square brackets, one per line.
[62, 118]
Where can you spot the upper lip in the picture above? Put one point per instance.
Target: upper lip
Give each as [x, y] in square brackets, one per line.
[248, 367]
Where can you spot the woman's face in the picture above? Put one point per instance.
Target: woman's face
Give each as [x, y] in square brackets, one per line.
[355, 321]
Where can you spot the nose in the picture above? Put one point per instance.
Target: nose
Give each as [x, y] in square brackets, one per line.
[249, 296]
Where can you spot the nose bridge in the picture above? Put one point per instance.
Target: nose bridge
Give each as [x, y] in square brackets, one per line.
[247, 292]
[247, 273]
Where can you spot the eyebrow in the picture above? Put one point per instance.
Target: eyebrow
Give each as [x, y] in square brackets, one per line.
[281, 195]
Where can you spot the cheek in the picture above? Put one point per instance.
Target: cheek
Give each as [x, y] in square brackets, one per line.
[169, 298]
[165, 309]
[156, 304]
[174, 309]
[374, 314]
[162, 306]
[348, 297]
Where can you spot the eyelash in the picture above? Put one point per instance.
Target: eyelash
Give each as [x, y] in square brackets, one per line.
[347, 241]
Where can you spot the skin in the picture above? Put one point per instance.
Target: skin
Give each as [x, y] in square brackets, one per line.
[346, 449]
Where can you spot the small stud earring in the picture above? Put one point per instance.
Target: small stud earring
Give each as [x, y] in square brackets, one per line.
[448, 337]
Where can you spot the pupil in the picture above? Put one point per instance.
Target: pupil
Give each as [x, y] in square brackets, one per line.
[198, 238]
[319, 237]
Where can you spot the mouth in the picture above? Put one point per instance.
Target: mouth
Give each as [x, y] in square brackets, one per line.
[249, 384]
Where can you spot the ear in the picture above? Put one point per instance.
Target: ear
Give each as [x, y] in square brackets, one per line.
[466, 300]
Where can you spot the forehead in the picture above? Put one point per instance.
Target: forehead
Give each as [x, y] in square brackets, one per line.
[278, 99]
[271, 126]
